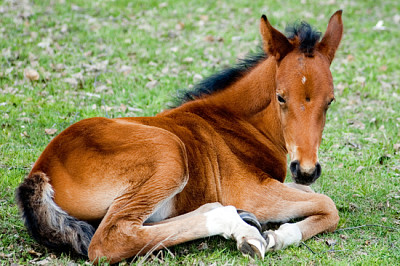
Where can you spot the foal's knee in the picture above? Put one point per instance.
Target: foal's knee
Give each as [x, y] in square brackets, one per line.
[331, 213]
[334, 217]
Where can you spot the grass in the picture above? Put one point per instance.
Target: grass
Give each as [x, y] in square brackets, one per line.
[128, 58]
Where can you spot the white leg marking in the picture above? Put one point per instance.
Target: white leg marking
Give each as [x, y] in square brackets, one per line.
[222, 221]
[286, 235]
[225, 221]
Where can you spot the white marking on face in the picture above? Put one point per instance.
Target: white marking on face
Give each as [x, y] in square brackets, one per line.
[303, 80]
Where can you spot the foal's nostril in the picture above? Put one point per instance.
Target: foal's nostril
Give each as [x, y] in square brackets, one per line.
[318, 170]
[305, 176]
[295, 168]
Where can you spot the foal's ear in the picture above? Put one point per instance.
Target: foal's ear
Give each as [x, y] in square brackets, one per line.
[333, 35]
[275, 43]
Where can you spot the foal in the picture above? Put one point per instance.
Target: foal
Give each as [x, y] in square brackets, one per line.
[153, 182]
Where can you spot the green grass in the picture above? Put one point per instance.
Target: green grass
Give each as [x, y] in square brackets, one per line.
[97, 58]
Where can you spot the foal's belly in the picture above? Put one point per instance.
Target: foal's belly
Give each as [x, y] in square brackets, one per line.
[164, 211]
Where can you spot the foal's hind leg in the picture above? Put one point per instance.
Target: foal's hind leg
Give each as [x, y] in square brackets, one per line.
[119, 238]
[202, 209]
[123, 234]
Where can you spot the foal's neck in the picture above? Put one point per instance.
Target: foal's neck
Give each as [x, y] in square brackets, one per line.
[251, 94]
[253, 99]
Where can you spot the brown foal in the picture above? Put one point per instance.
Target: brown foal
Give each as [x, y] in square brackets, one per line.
[153, 182]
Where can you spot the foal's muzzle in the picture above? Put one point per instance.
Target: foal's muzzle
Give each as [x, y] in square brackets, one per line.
[302, 176]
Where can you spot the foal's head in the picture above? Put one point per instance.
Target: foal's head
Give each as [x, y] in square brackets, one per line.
[304, 89]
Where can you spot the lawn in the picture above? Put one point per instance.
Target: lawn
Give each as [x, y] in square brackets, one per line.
[63, 61]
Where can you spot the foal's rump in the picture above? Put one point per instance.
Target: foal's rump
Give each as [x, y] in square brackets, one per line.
[84, 169]
[93, 161]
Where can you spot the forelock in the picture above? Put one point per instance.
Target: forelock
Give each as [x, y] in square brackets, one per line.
[304, 36]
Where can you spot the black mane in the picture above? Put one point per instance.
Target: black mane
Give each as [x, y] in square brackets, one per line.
[306, 36]
[222, 79]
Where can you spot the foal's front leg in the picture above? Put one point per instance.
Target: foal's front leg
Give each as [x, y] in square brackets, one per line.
[300, 187]
[277, 202]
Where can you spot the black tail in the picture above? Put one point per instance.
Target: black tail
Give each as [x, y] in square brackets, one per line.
[48, 223]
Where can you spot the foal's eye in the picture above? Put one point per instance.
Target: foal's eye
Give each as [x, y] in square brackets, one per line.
[280, 99]
[331, 101]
